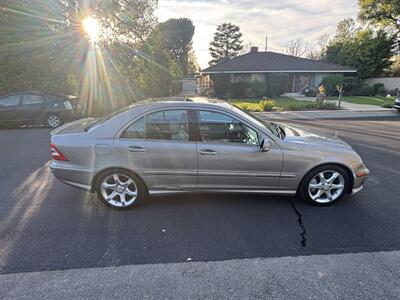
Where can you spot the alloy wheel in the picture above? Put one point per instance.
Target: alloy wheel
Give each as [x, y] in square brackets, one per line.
[119, 190]
[326, 186]
[53, 121]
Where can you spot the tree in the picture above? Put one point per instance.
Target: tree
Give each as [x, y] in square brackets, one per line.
[384, 13]
[296, 47]
[318, 52]
[176, 37]
[345, 29]
[367, 51]
[43, 48]
[226, 44]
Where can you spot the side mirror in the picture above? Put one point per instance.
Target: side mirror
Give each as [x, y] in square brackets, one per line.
[265, 145]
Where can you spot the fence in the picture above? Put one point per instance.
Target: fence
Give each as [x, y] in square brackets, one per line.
[390, 83]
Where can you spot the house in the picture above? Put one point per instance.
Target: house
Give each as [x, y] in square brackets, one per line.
[254, 65]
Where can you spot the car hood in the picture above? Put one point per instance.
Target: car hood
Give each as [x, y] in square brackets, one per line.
[297, 134]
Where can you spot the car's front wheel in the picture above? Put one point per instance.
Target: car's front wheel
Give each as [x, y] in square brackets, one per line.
[53, 120]
[325, 185]
[120, 189]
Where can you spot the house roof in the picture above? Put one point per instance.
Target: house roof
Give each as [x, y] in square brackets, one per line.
[262, 62]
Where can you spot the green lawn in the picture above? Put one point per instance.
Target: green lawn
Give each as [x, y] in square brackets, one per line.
[281, 104]
[371, 100]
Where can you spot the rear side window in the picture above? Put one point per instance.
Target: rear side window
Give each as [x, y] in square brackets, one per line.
[10, 101]
[170, 125]
[32, 99]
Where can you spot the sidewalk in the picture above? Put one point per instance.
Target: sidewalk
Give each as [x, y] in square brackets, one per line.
[328, 114]
[373, 275]
[344, 105]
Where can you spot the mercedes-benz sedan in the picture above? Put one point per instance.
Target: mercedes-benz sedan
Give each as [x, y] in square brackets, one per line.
[159, 147]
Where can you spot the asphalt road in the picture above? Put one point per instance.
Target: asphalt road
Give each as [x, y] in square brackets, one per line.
[46, 225]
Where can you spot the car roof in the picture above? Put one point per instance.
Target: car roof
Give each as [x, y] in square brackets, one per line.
[69, 97]
[168, 101]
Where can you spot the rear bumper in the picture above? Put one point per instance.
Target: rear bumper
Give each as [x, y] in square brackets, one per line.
[79, 178]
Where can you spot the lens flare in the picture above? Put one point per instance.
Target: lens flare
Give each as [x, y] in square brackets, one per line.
[91, 27]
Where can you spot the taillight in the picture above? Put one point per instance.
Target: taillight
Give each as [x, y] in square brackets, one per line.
[56, 154]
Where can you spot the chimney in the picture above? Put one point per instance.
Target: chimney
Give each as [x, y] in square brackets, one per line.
[253, 49]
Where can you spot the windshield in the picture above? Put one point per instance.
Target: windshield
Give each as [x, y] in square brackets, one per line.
[272, 128]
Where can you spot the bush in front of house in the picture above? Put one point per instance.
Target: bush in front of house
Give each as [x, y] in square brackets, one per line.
[330, 82]
[267, 105]
[367, 91]
[276, 84]
[239, 89]
[222, 85]
[258, 88]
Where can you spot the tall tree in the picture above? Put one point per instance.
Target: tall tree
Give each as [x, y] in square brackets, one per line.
[345, 29]
[367, 51]
[226, 44]
[296, 47]
[384, 13]
[176, 36]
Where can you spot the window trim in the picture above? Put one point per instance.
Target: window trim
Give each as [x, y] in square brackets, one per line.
[197, 122]
[144, 115]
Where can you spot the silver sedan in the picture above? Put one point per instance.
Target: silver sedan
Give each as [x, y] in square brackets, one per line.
[163, 147]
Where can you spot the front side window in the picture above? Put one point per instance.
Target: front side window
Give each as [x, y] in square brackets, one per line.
[171, 125]
[32, 99]
[9, 101]
[218, 127]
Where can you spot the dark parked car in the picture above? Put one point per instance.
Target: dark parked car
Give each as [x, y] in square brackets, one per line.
[38, 108]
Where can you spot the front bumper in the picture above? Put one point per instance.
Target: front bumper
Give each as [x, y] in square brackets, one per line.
[360, 175]
[396, 105]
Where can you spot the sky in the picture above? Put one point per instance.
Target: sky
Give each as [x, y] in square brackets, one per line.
[280, 20]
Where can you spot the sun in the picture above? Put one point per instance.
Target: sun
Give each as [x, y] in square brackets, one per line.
[91, 27]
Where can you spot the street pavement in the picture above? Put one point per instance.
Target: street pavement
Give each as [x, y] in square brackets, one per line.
[46, 225]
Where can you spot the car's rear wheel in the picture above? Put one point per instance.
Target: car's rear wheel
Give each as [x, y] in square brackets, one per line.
[53, 120]
[120, 189]
[325, 185]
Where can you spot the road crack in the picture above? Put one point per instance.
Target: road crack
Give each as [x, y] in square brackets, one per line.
[301, 224]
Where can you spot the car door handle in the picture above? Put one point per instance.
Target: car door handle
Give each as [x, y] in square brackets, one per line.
[136, 149]
[207, 152]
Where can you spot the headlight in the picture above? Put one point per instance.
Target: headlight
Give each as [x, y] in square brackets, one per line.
[67, 105]
[361, 170]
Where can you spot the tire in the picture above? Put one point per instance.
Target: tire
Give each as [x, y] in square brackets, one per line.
[398, 109]
[53, 120]
[120, 189]
[327, 190]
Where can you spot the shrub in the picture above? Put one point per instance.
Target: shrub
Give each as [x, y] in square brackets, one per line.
[244, 106]
[239, 89]
[276, 84]
[393, 92]
[331, 81]
[257, 88]
[222, 85]
[388, 104]
[319, 103]
[330, 105]
[367, 91]
[267, 105]
[249, 93]
[379, 89]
